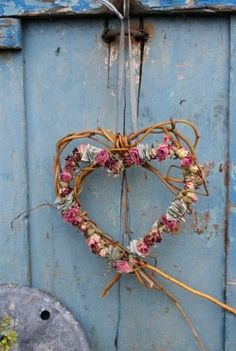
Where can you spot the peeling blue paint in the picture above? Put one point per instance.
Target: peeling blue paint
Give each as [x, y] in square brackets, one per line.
[82, 7]
[10, 34]
[37, 7]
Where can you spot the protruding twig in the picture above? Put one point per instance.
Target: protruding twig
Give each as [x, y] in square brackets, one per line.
[31, 210]
[158, 286]
[110, 284]
[189, 289]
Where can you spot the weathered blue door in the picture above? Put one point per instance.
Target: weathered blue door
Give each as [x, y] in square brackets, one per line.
[63, 80]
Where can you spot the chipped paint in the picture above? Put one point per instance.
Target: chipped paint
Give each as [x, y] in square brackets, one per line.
[190, 3]
[200, 222]
[231, 282]
[41, 8]
[10, 34]
[208, 166]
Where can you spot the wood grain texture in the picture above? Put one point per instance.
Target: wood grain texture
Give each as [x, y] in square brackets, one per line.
[42, 8]
[10, 34]
[66, 90]
[14, 267]
[230, 339]
[185, 74]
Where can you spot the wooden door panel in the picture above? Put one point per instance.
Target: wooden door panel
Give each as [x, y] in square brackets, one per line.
[63, 85]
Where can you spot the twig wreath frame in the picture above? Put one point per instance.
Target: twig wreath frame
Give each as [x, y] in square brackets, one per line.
[118, 153]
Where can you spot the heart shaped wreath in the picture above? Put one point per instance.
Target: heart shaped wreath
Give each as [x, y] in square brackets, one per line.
[118, 153]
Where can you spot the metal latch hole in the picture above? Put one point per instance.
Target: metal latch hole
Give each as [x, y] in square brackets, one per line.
[45, 315]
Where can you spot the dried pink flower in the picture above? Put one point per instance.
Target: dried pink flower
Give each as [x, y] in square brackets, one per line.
[170, 225]
[102, 157]
[94, 243]
[186, 161]
[152, 238]
[134, 155]
[64, 191]
[163, 150]
[66, 176]
[123, 266]
[112, 164]
[72, 215]
[143, 248]
[127, 160]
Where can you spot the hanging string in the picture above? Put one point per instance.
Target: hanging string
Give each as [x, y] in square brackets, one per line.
[133, 95]
[120, 101]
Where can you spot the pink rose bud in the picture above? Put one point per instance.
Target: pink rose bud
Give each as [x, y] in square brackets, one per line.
[163, 151]
[66, 176]
[122, 266]
[102, 157]
[170, 225]
[70, 216]
[94, 243]
[143, 249]
[186, 161]
[166, 140]
[134, 155]
[127, 160]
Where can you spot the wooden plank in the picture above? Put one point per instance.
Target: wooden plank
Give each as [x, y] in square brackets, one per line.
[10, 34]
[36, 8]
[14, 267]
[185, 74]
[66, 91]
[230, 337]
[53, 8]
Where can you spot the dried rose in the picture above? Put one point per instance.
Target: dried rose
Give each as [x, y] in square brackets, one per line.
[162, 152]
[138, 247]
[152, 237]
[102, 157]
[143, 249]
[186, 161]
[134, 155]
[64, 191]
[122, 266]
[66, 176]
[170, 225]
[72, 215]
[127, 160]
[112, 164]
[69, 163]
[94, 243]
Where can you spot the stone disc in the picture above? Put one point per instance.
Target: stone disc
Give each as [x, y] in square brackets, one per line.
[40, 320]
